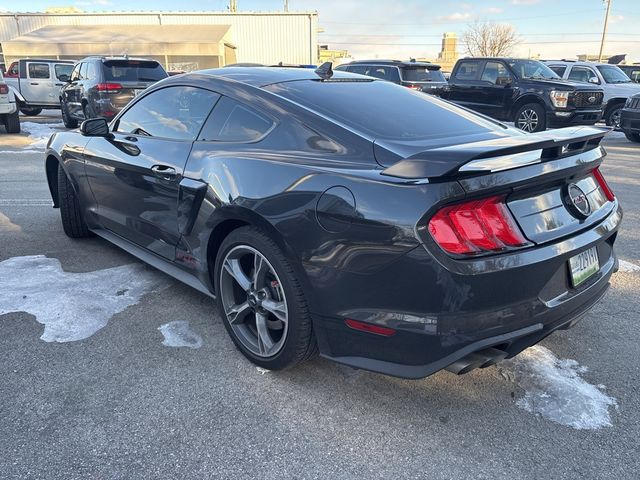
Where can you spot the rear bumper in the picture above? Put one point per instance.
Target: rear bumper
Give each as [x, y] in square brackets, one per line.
[450, 314]
[630, 120]
[7, 108]
[573, 117]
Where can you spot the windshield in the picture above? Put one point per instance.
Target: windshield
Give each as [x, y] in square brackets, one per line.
[383, 109]
[613, 74]
[422, 74]
[533, 69]
[133, 71]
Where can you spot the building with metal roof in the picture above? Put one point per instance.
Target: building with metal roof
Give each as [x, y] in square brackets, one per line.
[179, 40]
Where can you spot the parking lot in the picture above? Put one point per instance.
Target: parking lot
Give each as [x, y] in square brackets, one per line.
[112, 370]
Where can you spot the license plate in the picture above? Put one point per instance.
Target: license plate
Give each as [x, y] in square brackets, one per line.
[583, 265]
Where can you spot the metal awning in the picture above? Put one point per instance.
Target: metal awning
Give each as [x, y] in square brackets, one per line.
[140, 40]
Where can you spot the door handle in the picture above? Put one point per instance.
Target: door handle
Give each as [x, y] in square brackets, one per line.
[164, 171]
[35, 83]
[131, 139]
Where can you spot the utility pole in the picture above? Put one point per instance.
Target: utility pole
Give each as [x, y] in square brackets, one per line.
[233, 5]
[604, 30]
[286, 5]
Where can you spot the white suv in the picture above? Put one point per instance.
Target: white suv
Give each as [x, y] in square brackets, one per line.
[616, 84]
[8, 108]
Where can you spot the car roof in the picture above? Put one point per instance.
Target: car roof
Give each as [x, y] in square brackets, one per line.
[577, 62]
[117, 57]
[49, 60]
[397, 63]
[262, 76]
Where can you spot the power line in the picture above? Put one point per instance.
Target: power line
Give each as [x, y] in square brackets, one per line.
[574, 13]
[567, 42]
[439, 35]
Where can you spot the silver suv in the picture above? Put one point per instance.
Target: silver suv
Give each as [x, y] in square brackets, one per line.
[616, 84]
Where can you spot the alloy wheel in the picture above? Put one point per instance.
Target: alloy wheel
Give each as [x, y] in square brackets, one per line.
[528, 120]
[253, 300]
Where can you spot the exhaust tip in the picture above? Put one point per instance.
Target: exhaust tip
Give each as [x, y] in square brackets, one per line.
[480, 359]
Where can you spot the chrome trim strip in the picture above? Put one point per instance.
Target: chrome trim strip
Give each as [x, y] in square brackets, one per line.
[508, 162]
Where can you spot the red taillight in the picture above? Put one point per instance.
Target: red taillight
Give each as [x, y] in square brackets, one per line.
[4, 88]
[369, 328]
[108, 87]
[604, 186]
[475, 227]
[414, 87]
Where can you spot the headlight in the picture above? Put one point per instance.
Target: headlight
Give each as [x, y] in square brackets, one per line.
[559, 98]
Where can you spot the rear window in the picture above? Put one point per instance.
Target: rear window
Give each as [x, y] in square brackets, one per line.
[132, 71]
[422, 74]
[383, 109]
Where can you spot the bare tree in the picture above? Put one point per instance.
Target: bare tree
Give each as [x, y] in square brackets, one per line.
[489, 39]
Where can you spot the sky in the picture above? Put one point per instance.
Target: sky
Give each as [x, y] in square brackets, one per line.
[414, 28]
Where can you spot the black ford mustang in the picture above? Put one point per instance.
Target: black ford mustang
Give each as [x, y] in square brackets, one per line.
[388, 229]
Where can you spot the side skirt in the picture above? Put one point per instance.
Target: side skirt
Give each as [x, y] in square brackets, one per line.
[154, 260]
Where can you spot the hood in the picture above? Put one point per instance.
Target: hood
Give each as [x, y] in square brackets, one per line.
[565, 84]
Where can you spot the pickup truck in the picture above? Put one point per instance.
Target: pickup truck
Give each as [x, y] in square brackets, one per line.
[523, 91]
[8, 108]
[36, 83]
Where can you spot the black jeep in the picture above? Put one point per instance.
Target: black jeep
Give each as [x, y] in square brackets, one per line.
[523, 91]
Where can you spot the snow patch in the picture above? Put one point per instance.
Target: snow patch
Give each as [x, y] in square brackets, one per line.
[179, 334]
[627, 267]
[554, 389]
[39, 133]
[72, 306]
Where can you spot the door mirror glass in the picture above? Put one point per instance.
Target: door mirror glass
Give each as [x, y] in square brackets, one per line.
[63, 78]
[505, 81]
[95, 127]
[593, 80]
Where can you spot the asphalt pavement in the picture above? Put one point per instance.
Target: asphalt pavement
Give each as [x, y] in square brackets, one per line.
[90, 386]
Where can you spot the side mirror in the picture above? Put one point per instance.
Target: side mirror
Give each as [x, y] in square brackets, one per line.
[594, 80]
[95, 127]
[504, 81]
[63, 77]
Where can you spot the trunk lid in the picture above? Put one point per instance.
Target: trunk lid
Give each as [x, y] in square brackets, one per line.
[542, 176]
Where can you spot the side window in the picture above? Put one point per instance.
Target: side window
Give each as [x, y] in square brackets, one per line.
[232, 121]
[38, 70]
[496, 73]
[13, 70]
[176, 113]
[63, 71]
[467, 71]
[91, 71]
[558, 69]
[75, 74]
[581, 74]
[83, 71]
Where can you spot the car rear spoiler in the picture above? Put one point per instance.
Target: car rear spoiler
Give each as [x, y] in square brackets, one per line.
[498, 154]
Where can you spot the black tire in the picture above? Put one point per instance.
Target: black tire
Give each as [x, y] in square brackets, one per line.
[66, 118]
[613, 116]
[633, 137]
[31, 111]
[72, 222]
[300, 343]
[12, 122]
[531, 118]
